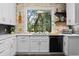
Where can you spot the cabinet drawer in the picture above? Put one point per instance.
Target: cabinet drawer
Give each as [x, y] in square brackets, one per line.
[22, 37]
[44, 38]
[34, 38]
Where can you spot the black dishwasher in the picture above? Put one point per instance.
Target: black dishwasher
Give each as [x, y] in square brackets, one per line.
[56, 43]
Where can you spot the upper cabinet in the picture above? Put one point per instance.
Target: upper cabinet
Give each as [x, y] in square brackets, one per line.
[12, 13]
[8, 13]
[72, 13]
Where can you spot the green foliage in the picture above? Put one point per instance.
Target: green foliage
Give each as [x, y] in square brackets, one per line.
[41, 24]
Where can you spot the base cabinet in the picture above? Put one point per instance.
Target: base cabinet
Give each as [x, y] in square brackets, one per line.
[65, 45]
[34, 46]
[4, 47]
[73, 45]
[8, 46]
[23, 43]
[12, 46]
[70, 45]
[44, 46]
[44, 43]
[32, 43]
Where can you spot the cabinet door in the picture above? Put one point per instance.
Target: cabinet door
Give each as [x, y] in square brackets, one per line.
[34, 46]
[65, 45]
[70, 7]
[34, 43]
[6, 13]
[73, 42]
[1, 12]
[23, 44]
[5, 49]
[13, 45]
[44, 44]
[2, 20]
[77, 13]
[12, 12]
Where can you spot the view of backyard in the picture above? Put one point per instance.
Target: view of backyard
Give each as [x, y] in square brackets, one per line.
[39, 20]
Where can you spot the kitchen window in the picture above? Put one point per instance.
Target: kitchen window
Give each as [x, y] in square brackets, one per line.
[38, 20]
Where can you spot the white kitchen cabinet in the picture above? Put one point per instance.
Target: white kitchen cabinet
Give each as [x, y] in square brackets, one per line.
[73, 42]
[72, 10]
[44, 46]
[23, 43]
[12, 12]
[34, 46]
[5, 13]
[70, 45]
[44, 43]
[65, 45]
[8, 46]
[32, 43]
[1, 13]
[73, 45]
[12, 46]
[4, 47]
[8, 13]
[39, 43]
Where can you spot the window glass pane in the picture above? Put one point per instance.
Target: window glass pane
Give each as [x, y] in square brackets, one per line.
[39, 20]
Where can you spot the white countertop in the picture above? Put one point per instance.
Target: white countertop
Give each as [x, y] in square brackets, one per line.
[70, 34]
[47, 34]
[6, 36]
[11, 35]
